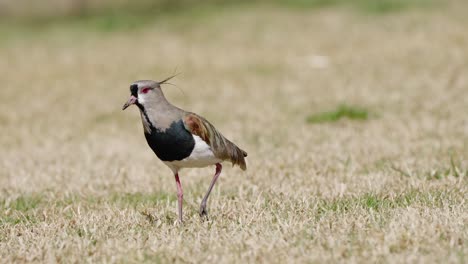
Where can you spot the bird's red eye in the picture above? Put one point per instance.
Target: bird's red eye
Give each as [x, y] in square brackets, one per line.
[145, 90]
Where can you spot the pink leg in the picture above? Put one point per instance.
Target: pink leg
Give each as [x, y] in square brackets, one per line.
[203, 211]
[180, 195]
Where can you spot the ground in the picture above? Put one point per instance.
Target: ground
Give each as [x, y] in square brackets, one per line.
[355, 123]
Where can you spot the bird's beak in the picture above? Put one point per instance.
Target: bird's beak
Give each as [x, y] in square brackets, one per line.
[130, 101]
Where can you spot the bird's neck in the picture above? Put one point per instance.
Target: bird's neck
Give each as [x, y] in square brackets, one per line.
[158, 115]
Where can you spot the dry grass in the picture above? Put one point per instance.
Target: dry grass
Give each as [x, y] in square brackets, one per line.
[79, 184]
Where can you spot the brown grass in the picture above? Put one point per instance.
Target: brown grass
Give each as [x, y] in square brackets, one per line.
[79, 184]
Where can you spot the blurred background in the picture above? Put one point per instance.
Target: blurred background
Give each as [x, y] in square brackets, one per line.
[331, 99]
[60, 8]
[68, 63]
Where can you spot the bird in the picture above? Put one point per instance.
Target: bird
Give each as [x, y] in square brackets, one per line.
[181, 139]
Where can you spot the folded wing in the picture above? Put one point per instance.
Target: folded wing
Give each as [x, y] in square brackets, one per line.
[221, 146]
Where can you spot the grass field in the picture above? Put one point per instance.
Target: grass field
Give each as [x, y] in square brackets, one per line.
[356, 125]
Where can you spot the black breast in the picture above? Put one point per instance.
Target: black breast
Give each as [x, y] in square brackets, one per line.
[174, 143]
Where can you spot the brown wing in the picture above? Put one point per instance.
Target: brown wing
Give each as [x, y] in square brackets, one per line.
[221, 146]
[195, 125]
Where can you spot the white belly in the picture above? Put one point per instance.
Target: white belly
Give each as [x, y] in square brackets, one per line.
[201, 156]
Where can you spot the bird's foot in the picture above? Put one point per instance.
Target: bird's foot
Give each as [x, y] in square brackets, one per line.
[203, 212]
[178, 222]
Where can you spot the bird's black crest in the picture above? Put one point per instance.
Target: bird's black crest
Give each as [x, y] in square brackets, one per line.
[168, 78]
[134, 90]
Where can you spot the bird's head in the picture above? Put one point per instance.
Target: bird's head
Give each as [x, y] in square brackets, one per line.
[144, 92]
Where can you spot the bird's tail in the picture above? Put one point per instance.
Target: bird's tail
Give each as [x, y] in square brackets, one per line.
[236, 155]
[221, 146]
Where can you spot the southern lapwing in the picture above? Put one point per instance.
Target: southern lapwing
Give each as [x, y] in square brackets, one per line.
[181, 139]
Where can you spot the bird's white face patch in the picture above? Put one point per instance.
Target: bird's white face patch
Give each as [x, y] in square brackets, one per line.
[141, 98]
[142, 94]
